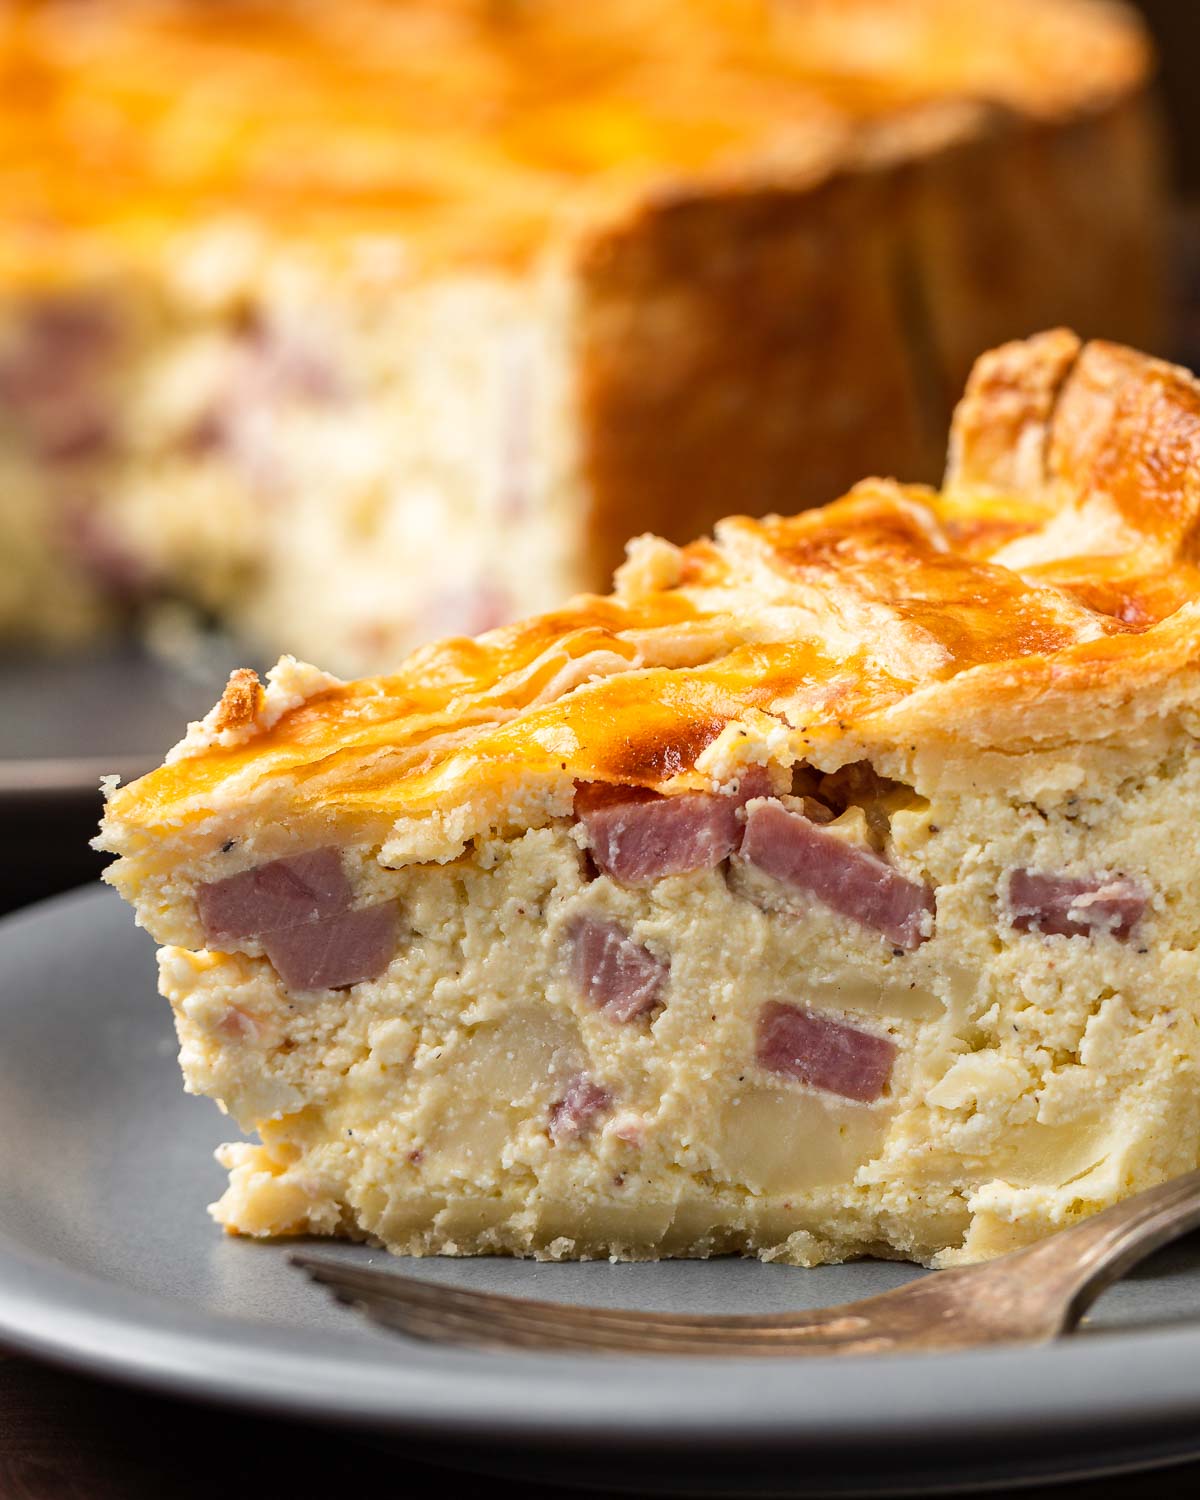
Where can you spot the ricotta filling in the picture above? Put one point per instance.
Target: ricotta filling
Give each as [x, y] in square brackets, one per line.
[539, 1057]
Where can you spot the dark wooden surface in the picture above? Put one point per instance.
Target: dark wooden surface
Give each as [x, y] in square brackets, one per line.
[63, 1437]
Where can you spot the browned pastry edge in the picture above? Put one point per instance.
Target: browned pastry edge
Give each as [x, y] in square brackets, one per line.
[240, 702]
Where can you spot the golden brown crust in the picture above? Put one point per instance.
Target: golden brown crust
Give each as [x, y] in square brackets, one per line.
[974, 616]
[465, 125]
[1098, 428]
[1003, 422]
[239, 704]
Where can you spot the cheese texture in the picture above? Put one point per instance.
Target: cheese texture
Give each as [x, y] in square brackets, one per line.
[826, 890]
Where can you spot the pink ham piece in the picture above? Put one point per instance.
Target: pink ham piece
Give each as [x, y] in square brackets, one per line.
[616, 974]
[582, 1103]
[1072, 907]
[823, 1053]
[267, 898]
[54, 377]
[638, 836]
[852, 881]
[335, 951]
[300, 908]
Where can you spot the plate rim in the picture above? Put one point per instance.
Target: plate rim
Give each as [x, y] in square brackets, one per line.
[85, 1322]
[73, 775]
[171, 1353]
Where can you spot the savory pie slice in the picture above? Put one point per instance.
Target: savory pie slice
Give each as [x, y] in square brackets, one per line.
[830, 888]
[362, 323]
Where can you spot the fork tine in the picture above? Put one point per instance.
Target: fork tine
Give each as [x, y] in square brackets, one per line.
[433, 1323]
[417, 1292]
[418, 1309]
[444, 1327]
[482, 1333]
[430, 1310]
[429, 1325]
[826, 1322]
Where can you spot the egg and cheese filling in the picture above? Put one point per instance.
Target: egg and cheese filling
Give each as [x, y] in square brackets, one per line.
[556, 1058]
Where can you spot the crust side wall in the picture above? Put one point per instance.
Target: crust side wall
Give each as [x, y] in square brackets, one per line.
[762, 349]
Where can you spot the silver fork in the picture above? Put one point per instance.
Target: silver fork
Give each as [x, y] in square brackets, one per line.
[1029, 1296]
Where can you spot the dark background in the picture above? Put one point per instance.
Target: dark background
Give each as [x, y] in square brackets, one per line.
[1176, 27]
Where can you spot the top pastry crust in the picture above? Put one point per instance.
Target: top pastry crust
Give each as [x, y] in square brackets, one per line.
[466, 124]
[1046, 597]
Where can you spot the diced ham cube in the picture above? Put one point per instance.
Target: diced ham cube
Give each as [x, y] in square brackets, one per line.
[850, 880]
[582, 1103]
[1074, 907]
[270, 897]
[334, 951]
[300, 909]
[823, 1053]
[54, 376]
[617, 975]
[638, 836]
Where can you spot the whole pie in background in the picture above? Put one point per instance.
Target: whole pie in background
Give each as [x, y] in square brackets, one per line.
[361, 323]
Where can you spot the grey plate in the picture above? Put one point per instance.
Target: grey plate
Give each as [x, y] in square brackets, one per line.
[67, 719]
[109, 1263]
